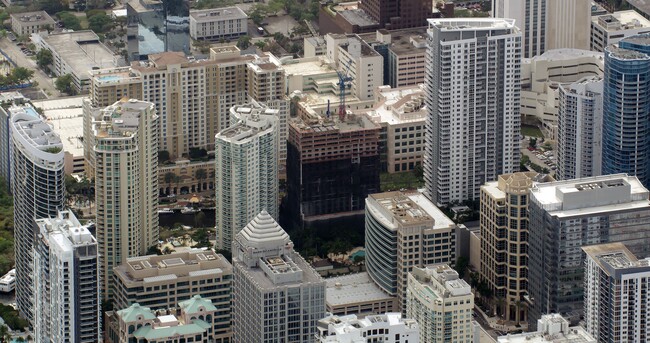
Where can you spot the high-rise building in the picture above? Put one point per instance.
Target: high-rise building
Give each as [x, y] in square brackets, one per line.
[504, 240]
[110, 85]
[626, 113]
[548, 24]
[277, 296]
[67, 305]
[194, 320]
[155, 26]
[400, 14]
[124, 140]
[616, 296]
[267, 85]
[246, 174]
[580, 129]
[38, 188]
[388, 328]
[16, 103]
[403, 231]
[609, 28]
[472, 86]
[567, 215]
[161, 281]
[441, 303]
[332, 165]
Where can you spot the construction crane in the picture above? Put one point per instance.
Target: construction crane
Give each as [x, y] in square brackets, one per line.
[344, 82]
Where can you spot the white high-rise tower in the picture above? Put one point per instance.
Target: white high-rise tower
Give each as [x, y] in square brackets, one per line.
[473, 124]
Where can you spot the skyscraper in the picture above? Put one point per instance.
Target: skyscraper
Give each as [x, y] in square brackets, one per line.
[504, 240]
[441, 303]
[548, 24]
[155, 26]
[246, 174]
[472, 86]
[67, 304]
[277, 296]
[125, 140]
[580, 129]
[399, 14]
[38, 189]
[567, 215]
[616, 296]
[403, 231]
[626, 108]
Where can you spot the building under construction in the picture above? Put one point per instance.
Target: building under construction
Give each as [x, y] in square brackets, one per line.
[332, 166]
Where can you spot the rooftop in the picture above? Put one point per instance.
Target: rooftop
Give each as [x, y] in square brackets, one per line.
[399, 105]
[410, 208]
[343, 325]
[358, 17]
[181, 264]
[82, 51]
[105, 77]
[323, 125]
[66, 118]
[223, 13]
[121, 119]
[36, 18]
[253, 119]
[472, 24]
[36, 133]
[353, 288]
[613, 257]
[641, 5]
[65, 231]
[590, 195]
[440, 281]
[308, 66]
[621, 20]
[552, 328]
[402, 42]
[566, 54]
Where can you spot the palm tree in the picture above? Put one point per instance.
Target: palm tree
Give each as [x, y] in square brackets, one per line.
[201, 174]
[169, 179]
[4, 333]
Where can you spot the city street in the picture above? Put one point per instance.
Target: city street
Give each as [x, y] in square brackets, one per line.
[13, 51]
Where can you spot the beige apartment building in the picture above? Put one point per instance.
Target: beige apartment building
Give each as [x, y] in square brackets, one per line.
[162, 281]
[504, 239]
[403, 231]
[110, 85]
[402, 115]
[24, 24]
[123, 139]
[441, 303]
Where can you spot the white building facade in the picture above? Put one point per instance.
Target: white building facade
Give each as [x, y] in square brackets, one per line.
[441, 303]
[277, 296]
[473, 124]
[610, 28]
[67, 306]
[580, 129]
[38, 188]
[616, 296]
[218, 23]
[246, 174]
[387, 328]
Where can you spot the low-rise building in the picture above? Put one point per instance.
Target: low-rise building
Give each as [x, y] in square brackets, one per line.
[76, 53]
[355, 58]
[401, 112]
[441, 303]
[160, 282]
[218, 23]
[552, 328]
[357, 294]
[194, 320]
[388, 328]
[24, 24]
[610, 28]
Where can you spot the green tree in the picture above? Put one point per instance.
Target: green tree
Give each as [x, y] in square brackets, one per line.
[244, 42]
[201, 174]
[69, 20]
[169, 179]
[163, 156]
[44, 58]
[22, 74]
[461, 266]
[64, 84]
[533, 142]
[100, 22]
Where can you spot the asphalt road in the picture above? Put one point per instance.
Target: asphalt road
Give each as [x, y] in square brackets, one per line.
[13, 51]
